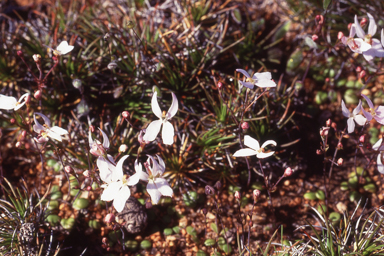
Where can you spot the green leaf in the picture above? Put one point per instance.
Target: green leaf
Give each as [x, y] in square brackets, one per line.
[145, 244]
[326, 4]
[209, 242]
[214, 227]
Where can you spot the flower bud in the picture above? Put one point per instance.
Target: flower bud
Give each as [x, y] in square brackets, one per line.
[140, 138]
[256, 194]
[363, 21]
[358, 69]
[328, 122]
[245, 125]
[36, 58]
[109, 218]
[340, 161]
[125, 114]
[209, 190]
[28, 99]
[68, 169]
[319, 19]
[218, 185]
[12, 120]
[288, 172]
[55, 59]
[23, 135]
[324, 131]
[237, 195]
[315, 37]
[104, 240]
[340, 35]
[339, 145]
[112, 65]
[219, 85]
[362, 74]
[88, 188]
[327, 80]
[18, 144]
[77, 83]
[123, 148]
[37, 94]
[319, 152]
[19, 53]
[362, 138]
[334, 126]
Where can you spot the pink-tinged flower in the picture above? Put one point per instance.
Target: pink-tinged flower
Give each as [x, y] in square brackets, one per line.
[377, 49]
[46, 130]
[354, 116]
[255, 149]
[157, 186]
[355, 44]
[379, 147]
[117, 189]
[377, 113]
[96, 147]
[9, 102]
[153, 128]
[262, 80]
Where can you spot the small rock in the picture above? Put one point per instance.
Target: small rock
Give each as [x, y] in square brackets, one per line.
[134, 216]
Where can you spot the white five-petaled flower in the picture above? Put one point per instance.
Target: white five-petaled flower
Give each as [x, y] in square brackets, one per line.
[379, 147]
[46, 130]
[116, 188]
[355, 44]
[154, 128]
[9, 102]
[377, 49]
[262, 80]
[254, 148]
[157, 186]
[63, 48]
[377, 113]
[359, 119]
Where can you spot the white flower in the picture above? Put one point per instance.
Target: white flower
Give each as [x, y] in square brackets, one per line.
[379, 147]
[359, 119]
[255, 148]
[262, 80]
[46, 130]
[376, 50]
[9, 102]
[377, 113]
[154, 128]
[117, 188]
[63, 48]
[99, 150]
[157, 186]
[355, 44]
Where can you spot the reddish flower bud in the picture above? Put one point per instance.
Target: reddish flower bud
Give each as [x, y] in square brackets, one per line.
[219, 85]
[125, 114]
[362, 138]
[92, 128]
[339, 145]
[237, 195]
[340, 35]
[109, 218]
[19, 53]
[327, 80]
[18, 144]
[256, 194]
[315, 37]
[319, 152]
[12, 120]
[55, 59]
[328, 122]
[340, 161]
[288, 172]
[319, 19]
[36, 57]
[37, 94]
[104, 240]
[358, 69]
[23, 135]
[349, 26]
[324, 131]
[363, 21]
[245, 125]
[362, 74]
[68, 169]
[334, 126]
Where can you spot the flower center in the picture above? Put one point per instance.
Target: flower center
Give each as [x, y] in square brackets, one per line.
[372, 111]
[368, 39]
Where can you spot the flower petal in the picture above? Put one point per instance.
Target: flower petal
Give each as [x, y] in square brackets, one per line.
[370, 104]
[357, 109]
[45, 118]
[111, 191]
[263, 76]
[163, 187]
[247, 84]
[139, 175]
[153, 192]
[265, 155]
[268, 142]
[121, 198]
[242, 71]
[7, 102]
[105, 139]
[90, 140]
[352, 31]
[167, 133]
[351, 125]
[155, 106]
[245, 152]
[382, 37]
[251, 142]
[106, 168]
[359, 31]
[344, 109]
[173, 108]
[377, 145]
[372, 28]
[265, 83]
[64, 48]
[152, 130]
[117, 173]
[380, 166]
[360, 120]
[367, 115]
[53, 135]
[59, 130]
[161, 163]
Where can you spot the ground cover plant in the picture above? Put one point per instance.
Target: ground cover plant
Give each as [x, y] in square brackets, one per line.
[191, 128]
